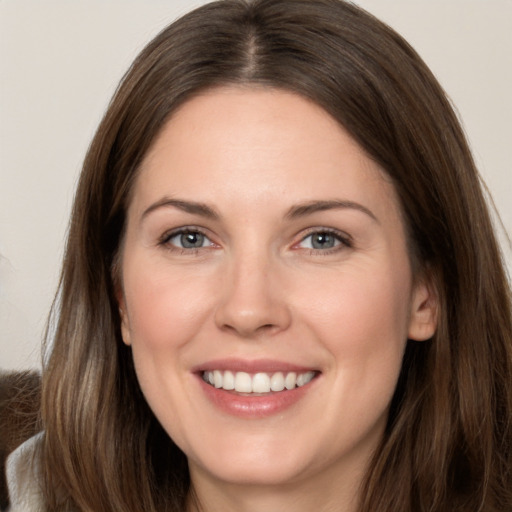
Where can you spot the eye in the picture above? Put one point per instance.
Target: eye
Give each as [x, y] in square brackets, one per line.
[187, 239]
[324, 240]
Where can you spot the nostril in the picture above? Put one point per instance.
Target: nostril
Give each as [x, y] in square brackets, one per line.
[249, 330]
[256, 313]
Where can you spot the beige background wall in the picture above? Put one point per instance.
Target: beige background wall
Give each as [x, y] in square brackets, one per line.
[60, 62]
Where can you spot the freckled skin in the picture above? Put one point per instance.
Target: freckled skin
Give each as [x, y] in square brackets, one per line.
[256, 288]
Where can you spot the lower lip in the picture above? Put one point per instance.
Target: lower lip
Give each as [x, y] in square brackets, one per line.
[254, 405]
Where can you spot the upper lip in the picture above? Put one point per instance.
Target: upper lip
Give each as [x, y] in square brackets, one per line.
[251, 366]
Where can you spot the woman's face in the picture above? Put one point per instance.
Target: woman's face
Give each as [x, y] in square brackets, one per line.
[264, 251]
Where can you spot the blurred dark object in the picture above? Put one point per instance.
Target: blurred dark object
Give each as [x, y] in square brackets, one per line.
[20, 399]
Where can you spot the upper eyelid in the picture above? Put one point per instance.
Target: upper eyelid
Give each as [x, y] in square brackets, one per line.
[342, 235]
[171, 233]
[345, 242]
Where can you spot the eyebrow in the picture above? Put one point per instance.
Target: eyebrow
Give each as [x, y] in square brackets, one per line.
[187, 206]
[311, 207]
[300, 210]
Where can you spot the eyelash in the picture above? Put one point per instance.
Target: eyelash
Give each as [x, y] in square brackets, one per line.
[165, 240]
[344, 241]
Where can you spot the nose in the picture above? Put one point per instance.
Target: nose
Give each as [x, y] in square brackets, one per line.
[253, 302]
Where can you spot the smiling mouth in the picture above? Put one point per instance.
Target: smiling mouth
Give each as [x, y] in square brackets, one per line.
[242, 382]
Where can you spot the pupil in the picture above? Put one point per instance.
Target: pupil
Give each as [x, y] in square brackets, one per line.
[323, 241]
[192, 240]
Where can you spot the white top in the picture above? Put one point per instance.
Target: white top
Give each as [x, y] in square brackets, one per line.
[23, 481]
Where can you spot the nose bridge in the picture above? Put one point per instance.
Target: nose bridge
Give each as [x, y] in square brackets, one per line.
[251, 301]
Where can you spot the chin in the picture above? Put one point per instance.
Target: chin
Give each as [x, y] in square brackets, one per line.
[258, 459]
[252, 471]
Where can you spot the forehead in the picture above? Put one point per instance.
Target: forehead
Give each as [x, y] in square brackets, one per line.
[242, 143]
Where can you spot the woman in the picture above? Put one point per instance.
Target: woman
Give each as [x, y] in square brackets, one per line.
[281, 287]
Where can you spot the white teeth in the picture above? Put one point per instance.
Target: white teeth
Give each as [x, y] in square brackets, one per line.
[261, 383]
[217, 379]
[243, 382]
[229, 381]
[290, 380]
[277, 382]
[304, 378]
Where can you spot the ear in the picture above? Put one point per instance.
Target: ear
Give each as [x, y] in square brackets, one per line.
[424, 310]
[120, 298]
[125, 324]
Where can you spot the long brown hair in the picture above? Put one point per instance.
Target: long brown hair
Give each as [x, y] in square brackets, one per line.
[448, 443]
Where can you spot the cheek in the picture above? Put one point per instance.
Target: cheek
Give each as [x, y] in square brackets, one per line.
[165, 311]
[362, 320]
[362, 307]
[164, 308]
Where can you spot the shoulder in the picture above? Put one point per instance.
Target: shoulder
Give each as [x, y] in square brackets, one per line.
[24, 477]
